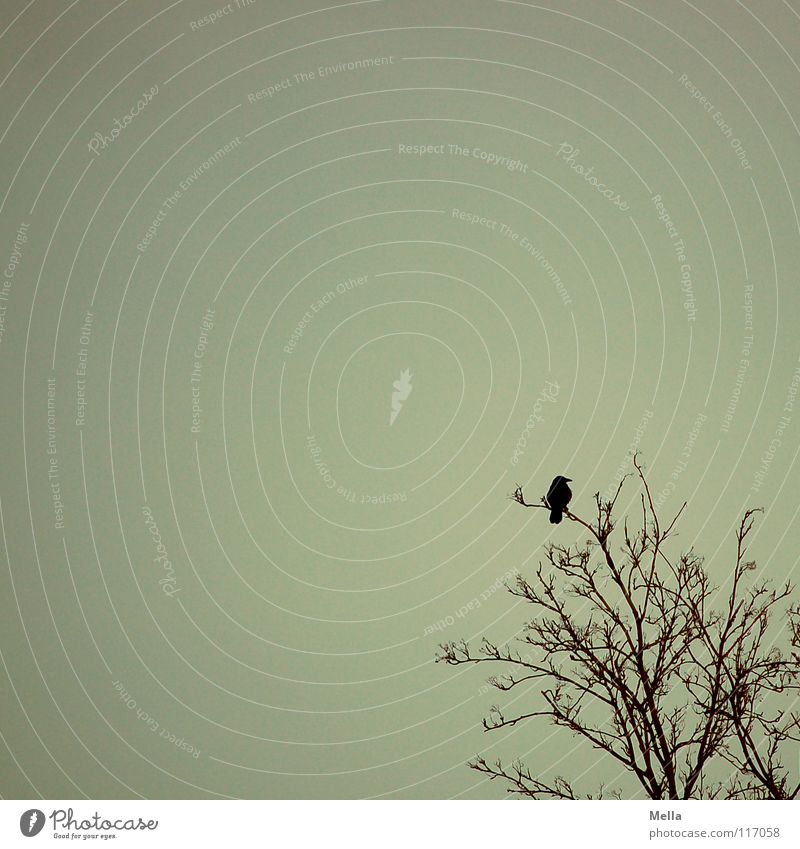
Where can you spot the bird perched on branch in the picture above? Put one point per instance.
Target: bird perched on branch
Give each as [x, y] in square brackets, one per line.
[558, 496]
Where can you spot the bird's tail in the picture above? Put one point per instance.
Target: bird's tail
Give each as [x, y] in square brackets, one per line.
[555, 516]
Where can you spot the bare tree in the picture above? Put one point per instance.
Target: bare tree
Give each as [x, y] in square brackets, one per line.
[637, 652]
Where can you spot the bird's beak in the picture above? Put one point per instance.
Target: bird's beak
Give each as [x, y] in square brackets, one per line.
[568, 480]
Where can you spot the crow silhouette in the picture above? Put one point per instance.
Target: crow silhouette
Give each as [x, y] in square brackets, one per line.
[558, 496]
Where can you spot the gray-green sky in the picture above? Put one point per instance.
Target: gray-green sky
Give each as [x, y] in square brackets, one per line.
[233, 530]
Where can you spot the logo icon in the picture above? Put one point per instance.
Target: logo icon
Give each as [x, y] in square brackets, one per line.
[31, 822]
[403, 389]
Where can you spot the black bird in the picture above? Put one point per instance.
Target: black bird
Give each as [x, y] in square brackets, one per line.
[558, 496]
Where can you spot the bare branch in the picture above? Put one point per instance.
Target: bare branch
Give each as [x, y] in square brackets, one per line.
[647, 666]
